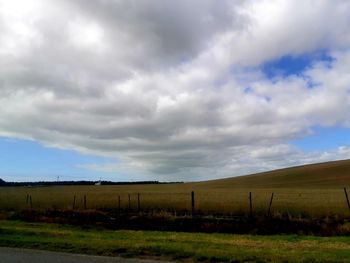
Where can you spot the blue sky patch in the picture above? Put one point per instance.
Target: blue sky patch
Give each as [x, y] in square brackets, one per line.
[324, 138]
[24, 160]
[248, 90]
[293, 64]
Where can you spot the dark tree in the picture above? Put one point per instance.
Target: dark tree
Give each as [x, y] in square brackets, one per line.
[2, 182]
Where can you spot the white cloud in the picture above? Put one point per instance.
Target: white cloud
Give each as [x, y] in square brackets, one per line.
[161, 86]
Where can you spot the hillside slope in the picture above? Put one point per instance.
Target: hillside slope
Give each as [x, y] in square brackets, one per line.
[322, 175]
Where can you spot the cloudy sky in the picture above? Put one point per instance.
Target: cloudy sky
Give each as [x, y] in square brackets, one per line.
[171, 90]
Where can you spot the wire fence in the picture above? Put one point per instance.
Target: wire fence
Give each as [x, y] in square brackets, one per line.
[260, 202]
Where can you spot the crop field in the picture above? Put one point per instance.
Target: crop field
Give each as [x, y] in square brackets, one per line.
[311, 191]
[297, 202]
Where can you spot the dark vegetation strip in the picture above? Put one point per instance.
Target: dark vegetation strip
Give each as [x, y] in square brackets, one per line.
[166, 222]
[61, 183]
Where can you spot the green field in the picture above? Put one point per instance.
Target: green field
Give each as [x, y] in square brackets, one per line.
[312, 190]
[175, 245]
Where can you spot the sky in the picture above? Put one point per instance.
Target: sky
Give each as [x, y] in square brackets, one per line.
[127, 90]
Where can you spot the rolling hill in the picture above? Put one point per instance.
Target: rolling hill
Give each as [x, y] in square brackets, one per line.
[334, 174]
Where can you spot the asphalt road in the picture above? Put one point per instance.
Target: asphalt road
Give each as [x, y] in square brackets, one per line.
[19, 255]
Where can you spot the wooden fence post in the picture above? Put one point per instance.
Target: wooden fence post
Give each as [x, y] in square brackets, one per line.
[74, 202]
[129, 202]
[30, 202]
[119, 204]
[27, 199]
[84, 201]
[250, 205]
[269, 211]
[347, 197]
[192, 203]
[138, 203]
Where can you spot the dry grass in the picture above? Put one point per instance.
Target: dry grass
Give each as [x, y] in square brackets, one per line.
[314, 190]
[329, 175]
[308, 202]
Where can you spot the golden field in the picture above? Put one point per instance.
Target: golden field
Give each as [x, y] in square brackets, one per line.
[311, 190]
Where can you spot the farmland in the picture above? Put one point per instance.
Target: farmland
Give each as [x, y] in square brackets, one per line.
[307, 200]
[311, 190]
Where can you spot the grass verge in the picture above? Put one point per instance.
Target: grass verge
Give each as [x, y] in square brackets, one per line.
[175, 245]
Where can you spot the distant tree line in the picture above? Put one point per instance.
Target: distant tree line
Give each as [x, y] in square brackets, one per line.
[52, 183]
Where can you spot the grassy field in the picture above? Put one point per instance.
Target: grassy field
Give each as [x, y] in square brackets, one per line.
[329, 175]
[175, 246]
[313, 202]
[313, 190]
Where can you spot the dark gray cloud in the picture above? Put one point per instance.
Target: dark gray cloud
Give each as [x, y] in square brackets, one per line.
[167, 32]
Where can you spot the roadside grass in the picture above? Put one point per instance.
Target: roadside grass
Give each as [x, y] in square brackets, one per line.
[175, 245]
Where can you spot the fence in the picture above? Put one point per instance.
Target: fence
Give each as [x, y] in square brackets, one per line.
[260, 202]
